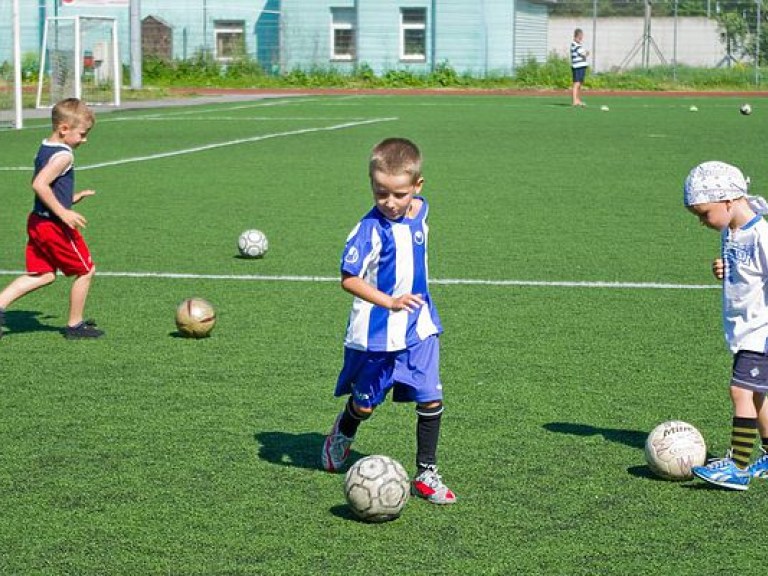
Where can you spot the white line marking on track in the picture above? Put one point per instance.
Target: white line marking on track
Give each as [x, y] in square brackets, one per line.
[438, 281]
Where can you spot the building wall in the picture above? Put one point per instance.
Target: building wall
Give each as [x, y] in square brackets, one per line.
[530, 32]
[479, 37]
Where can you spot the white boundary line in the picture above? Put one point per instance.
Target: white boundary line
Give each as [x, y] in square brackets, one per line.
[222, 144]
[438, 281]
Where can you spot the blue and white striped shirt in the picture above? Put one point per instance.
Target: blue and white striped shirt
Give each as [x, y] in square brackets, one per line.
[392, 256]
[578, 55]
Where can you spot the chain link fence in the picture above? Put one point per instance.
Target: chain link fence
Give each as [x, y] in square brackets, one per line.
[643, 34]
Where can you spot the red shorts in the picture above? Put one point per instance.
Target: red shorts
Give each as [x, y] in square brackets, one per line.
[53, 246]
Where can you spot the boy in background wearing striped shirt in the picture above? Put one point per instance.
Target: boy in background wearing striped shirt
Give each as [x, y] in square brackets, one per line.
[578, 66]
[391, 341]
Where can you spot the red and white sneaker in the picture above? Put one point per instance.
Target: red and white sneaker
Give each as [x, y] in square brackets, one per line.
[429, 485]
[335, 448]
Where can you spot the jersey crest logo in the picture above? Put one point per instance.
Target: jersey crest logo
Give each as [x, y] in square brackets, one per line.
[352, 256]
[418, 237]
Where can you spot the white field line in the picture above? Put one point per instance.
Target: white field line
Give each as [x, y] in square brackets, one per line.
[438, 281]
[235, 119]
[220, 144]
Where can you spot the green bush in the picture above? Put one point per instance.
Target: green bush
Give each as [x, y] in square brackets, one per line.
[204, 71]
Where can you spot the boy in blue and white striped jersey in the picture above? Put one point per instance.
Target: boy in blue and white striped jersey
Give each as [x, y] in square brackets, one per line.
[392, 334]
[578, 66]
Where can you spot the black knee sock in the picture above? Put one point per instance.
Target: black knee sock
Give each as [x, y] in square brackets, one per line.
[427, 436]
[350, 420]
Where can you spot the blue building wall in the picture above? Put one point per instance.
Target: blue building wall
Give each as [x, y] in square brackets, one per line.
[480, 37]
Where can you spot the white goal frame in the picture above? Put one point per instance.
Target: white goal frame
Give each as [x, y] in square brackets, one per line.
[13, 117]
[76, 89]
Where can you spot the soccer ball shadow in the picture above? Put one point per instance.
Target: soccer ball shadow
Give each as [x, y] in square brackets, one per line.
[296, 450]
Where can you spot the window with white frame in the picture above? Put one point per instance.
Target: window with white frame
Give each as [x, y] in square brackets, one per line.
[413, 34]
[343, 33]
[230, 39]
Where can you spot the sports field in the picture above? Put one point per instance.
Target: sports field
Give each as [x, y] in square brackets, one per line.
[575, 293]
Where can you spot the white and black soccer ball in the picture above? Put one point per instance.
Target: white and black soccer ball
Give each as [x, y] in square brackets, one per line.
[673, 448]
[376, 488]
[746, 109]
[252, 244]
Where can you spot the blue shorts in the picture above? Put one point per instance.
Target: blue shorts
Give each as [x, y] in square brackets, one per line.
[413, 373]
[579, 74]
[750, 371]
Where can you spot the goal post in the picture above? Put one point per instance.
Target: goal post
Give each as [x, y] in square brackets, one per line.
[79, 58]
[11, 115]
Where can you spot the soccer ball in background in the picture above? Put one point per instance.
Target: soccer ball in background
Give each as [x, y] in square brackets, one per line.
[195, 318]
[376, 488]
[745, 109]
[673, 448]
[252, 244]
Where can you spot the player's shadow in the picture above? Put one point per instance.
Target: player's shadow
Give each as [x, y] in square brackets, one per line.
[296, 450]
[633, 438]
[19, 321]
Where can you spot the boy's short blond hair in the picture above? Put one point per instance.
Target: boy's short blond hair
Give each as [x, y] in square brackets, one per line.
[395, 156]
[71, 111]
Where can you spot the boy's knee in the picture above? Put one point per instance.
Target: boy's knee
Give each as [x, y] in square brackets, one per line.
[362, 411]
[46, 278]
[430, 409]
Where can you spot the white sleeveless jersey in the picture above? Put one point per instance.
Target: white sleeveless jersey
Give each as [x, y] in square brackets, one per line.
[745, 309]
[392, 256]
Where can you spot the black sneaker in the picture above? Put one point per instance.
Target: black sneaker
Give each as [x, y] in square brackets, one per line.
[86, 329]
[2, 322]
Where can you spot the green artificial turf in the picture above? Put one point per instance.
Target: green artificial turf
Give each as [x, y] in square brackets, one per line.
[147, 453]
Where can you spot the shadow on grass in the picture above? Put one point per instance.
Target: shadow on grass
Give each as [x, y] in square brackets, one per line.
[633, 438]
[297, 450]
[19, 321]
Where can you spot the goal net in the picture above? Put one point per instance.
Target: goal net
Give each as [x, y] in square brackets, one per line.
[10, 65]
[79, 59]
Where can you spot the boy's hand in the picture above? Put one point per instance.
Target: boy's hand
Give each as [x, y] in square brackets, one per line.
[718, 268]
[82, 194]
[409, 302]
[73, 219]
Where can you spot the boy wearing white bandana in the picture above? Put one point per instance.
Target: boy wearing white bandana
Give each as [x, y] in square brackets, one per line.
[716, 193]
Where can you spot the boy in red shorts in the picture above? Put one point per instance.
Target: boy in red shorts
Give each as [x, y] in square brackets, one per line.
[55, 243]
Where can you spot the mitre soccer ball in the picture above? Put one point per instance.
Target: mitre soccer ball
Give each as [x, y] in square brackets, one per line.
[376, 488]
[195, 318]
[673, 448]
[746, 109]
[252, 244]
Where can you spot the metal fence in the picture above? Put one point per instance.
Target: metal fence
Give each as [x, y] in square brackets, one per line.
[632, 34]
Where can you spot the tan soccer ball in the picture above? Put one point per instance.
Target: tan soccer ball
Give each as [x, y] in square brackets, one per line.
[195, 318]
[673, 448]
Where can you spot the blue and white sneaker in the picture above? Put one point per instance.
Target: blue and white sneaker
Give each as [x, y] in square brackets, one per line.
[723, 472]
[759, 468]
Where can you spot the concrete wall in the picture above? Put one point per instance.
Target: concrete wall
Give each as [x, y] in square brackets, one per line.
[618, 42]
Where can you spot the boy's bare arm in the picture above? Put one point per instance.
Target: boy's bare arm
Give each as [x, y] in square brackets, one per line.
[360, 288]
[42, 187]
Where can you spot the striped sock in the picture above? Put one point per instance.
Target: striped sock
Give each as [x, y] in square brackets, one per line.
[743, 436]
